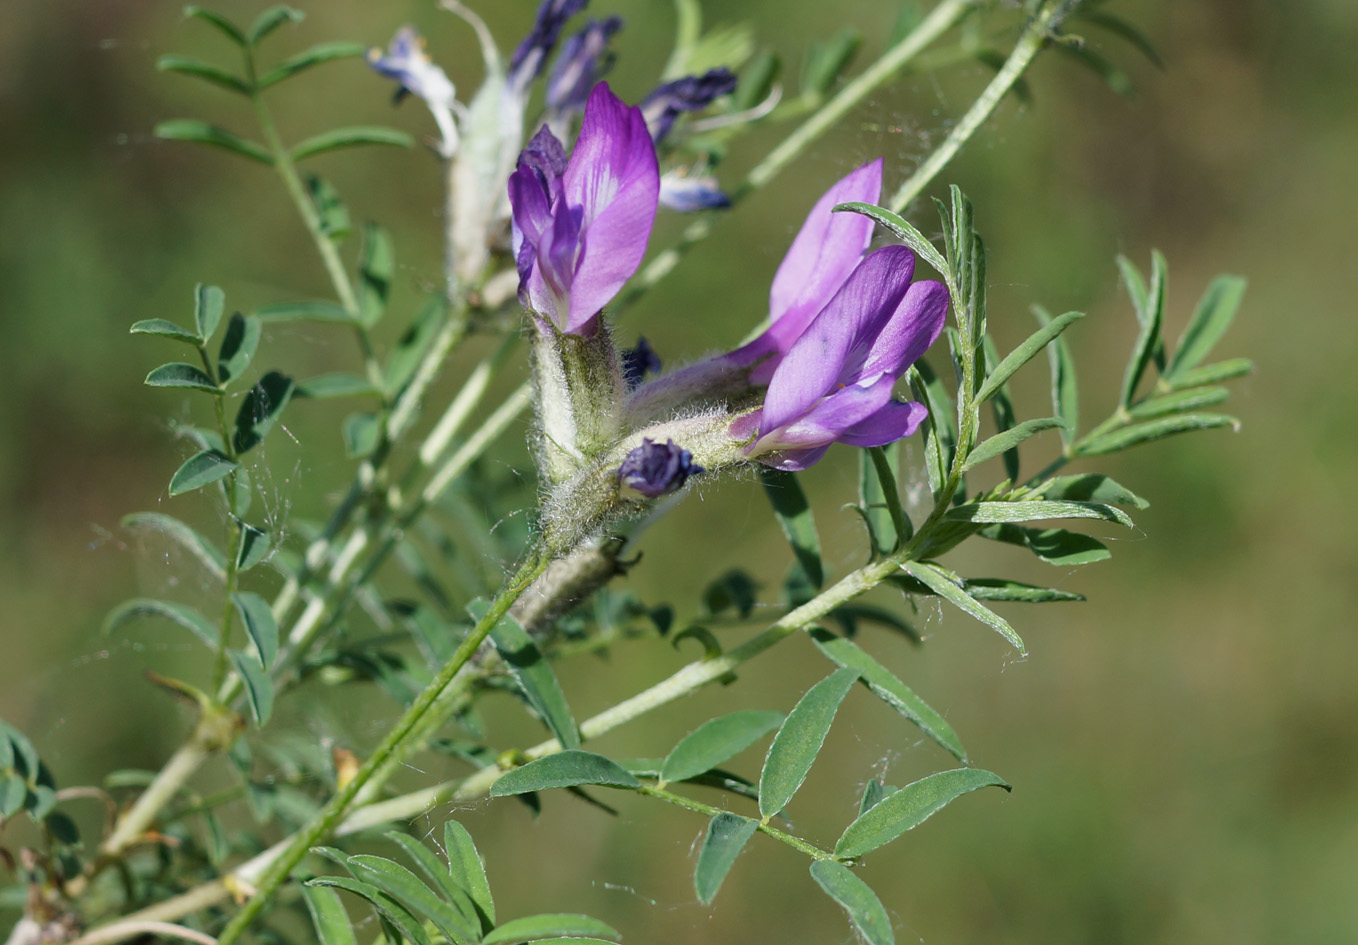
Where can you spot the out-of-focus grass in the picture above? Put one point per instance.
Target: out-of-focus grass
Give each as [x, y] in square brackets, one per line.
[1182, 746]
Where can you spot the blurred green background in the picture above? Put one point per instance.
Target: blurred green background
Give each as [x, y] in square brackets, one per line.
[1183, 746]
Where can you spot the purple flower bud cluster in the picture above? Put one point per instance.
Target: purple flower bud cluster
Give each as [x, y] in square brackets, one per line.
[655, 469]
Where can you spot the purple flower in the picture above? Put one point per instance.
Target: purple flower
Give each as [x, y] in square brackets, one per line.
[406, 62]
[528, 59]
[692, 93]
[826, 250]
[581, 226]
[834, 384]
[583, 60]
[655, 469]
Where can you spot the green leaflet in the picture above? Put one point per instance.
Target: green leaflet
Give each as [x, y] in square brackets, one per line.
[884, 684]
[715, 741]
[797, 743]
[944, 587]
[726, 837]
[865, 910]
[909, 807]
[564, 769]
[794, 517]
[559, 925]
[533, 674]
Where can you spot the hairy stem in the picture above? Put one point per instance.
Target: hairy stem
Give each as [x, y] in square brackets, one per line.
[325, 822]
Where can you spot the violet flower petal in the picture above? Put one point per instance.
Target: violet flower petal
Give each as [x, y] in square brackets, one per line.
[913, 327]
[892, 422]
[835, 346]
[824, 252]
[691, 93]
[825, 420]
[614, 177]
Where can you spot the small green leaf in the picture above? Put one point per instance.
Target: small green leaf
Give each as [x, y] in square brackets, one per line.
[259, 410]
[533, 674]
[756, 81]
[865, 910]
[198, 546]
[1126, 31]
[200, 132]
[202, 70]
[412, 344]
[62, 828]
[227, 28]
[1091, 487]
[909, 807]
[885, 686]
[1064, 389]
[179, 374]
[797, 743]
[564, 769]
[944, 587]
[348, 138]
[271, 19]
[239, 344]
[873, 792]
[467, 870]
[333, 214]
[387, 907]
[1140, 433]
[562, 925]
[185, 616]
[405, 887]
[1002, 590]
[328, 916]
[717, 740]
[200, 470]
[326, 386]
[940, 437]
[324, 52]
[825, 61]
[13, 794]
[1178, 402]
[1002, 408]
[878, 474]
[1150, 312]
[1118, 81]
[307, 310]
[726, 837]
[1053, 545]
[1032, 510]
[257, 617]
[794, 517]
[1211, 373]
[258, 686]
[376, 270]
[900, 228]
[165, 329]
[253, 548]
[1003, 442]
[1025, 352]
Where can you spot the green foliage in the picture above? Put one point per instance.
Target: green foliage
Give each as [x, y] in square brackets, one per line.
[715, 741]
[799, 740]
[898, 811]
[726, 837]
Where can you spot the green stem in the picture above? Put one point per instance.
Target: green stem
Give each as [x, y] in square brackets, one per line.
[1033, 38]
[325, 822]
[797, 843]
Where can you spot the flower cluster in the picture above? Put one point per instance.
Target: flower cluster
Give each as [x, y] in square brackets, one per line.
[844, 324]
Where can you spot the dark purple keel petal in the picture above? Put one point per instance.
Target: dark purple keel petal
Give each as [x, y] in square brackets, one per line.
[893, 422]
[834, 347]
[530, 55]
[584, 58]
[913, 327]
